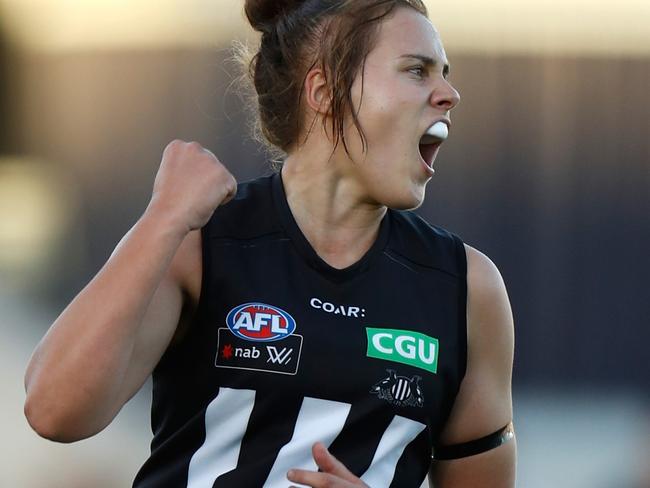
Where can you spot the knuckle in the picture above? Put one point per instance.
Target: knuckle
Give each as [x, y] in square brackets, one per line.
[223, 171]
[219, 171]
[230, 188]
[173, 144]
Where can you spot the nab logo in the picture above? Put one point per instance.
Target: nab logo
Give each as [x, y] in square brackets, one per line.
[260, 322]
[236, 353]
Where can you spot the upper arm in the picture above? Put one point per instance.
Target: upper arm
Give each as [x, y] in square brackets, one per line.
[484, 401]
[168, 314]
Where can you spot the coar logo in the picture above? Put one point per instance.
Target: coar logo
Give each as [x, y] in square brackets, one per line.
[403, 346]
[260, 322]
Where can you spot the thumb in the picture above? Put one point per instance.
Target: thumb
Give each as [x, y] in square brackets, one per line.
[329, 464]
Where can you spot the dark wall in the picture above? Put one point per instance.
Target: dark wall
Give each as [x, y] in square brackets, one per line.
[547, 172]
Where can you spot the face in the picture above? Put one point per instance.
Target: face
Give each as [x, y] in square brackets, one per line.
[402, 97]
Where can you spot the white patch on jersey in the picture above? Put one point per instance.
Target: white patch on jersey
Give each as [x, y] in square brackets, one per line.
[347, 311]
[220, 450]
[398, 435]
[318, 420]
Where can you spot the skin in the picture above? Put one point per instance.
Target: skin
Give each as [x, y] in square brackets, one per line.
[83, 371]
[339, 203]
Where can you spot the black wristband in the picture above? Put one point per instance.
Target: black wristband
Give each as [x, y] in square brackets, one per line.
[477, 446]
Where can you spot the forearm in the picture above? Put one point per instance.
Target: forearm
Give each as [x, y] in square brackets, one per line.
[76, 372]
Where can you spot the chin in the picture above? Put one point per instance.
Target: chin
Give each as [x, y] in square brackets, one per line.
[409, 200]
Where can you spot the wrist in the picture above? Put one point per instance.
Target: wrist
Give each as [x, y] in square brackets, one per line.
[166, 220]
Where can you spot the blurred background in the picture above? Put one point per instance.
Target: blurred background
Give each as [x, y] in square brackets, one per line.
[547, 171]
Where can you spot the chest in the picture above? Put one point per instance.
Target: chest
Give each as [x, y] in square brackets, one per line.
[389, 337]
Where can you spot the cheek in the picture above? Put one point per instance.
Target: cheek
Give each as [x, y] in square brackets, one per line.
[379, 109]
[385, 118]
[386, 131]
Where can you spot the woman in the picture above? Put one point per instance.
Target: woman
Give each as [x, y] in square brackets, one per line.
[304, 327]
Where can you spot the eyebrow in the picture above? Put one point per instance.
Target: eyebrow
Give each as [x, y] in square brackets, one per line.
[428, 61]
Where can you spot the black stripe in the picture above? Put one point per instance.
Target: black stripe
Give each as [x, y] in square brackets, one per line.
[170, 458]
[398, 389]
[362, 423]
[268, 430]
[411, 468]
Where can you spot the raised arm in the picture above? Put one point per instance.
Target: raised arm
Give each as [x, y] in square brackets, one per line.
[483, 406]
[106, 342]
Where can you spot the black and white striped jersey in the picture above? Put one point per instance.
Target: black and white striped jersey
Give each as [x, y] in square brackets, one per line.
[286, 350]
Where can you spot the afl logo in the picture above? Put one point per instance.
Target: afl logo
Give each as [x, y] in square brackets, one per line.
[260, 322]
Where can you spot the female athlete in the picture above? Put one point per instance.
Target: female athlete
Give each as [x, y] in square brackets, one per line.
[304, 327]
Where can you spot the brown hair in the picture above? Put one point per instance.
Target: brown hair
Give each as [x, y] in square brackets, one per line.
[296, 36]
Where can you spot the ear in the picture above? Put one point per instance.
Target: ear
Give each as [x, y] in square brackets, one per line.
[317, 91]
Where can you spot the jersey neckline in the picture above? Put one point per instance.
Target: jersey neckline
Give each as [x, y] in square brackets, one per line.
[308, 253]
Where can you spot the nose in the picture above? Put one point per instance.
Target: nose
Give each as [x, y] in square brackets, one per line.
[445, 96]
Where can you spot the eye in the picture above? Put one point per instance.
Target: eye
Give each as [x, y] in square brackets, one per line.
[419, 69]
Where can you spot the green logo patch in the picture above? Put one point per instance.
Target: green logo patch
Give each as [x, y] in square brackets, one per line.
[403, 346]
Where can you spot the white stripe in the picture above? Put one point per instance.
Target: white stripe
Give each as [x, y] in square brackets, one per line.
[398, 389]
[318, 420]
[226, 419]
[398, 435]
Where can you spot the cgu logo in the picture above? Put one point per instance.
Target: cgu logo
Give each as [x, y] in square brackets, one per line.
[403, 346]
[260, 322]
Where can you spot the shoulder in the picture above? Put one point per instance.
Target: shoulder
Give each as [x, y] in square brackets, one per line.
[488, 307]
[484, 279]
[243, 216]
[425, 244]
[248, 215]
[483, 404]
[490, 351]
[407, 221]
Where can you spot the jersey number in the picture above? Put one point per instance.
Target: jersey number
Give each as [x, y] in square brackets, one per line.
[318, 420]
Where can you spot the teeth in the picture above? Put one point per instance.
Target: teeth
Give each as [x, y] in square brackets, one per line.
[437, 132]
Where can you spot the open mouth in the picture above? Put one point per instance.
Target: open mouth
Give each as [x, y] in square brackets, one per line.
[431, 140]
[428, 152]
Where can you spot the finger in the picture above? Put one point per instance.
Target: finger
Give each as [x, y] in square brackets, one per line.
[229, 196]
[315, 479]
[329, 464]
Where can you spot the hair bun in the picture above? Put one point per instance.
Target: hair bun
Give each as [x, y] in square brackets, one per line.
[262, 13]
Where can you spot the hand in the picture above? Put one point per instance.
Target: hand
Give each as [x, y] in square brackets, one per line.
[190, 184]
[334, 473]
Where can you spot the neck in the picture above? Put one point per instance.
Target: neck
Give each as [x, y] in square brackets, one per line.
[330, 207]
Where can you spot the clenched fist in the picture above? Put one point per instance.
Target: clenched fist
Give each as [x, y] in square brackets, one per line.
[190, 184]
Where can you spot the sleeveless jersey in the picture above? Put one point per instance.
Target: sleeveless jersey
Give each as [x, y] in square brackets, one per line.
[286, 350]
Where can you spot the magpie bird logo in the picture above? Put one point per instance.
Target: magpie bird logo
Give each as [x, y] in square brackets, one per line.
[399, 390]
